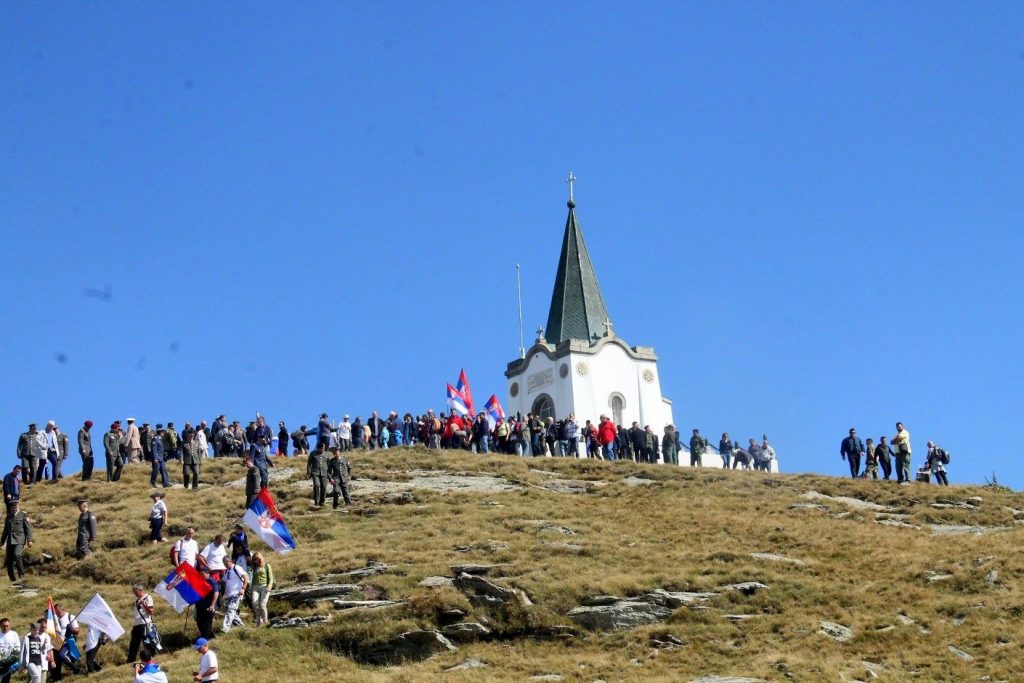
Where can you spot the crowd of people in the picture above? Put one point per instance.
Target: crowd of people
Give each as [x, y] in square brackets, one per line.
[895, 454]
[238, 577]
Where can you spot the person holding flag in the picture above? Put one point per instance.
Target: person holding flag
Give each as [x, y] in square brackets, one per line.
[102, 626]
[266, 521]
[65, 642]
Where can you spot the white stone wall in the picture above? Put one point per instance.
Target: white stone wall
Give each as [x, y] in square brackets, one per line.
[589, 382]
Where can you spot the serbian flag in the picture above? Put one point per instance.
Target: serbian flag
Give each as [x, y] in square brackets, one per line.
[183, 587]
[264, 518]
[52, 629]
[467, 395]
[493, 411]
[456, 401]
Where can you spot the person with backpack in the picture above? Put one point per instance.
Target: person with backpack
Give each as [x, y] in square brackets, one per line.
[235, 582]
[938, 458]
[142, 621]
[171, 442]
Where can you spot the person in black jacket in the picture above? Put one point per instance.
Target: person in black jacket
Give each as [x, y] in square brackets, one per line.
[637, 440]
[884, 455]
[282, 439]
[851, 449]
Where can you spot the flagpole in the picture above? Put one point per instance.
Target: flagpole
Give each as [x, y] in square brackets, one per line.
[519, 290]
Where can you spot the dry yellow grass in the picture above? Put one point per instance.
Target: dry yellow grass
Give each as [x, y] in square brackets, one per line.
[687, 530]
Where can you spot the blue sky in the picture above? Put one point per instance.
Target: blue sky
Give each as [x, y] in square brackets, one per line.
[812, 211]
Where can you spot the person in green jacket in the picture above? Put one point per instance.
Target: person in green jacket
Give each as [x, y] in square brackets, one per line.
[698, 445]
[262, 584]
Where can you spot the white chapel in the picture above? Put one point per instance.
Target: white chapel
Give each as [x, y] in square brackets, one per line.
[578, 364]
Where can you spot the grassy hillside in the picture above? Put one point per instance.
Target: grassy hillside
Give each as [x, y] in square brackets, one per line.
[571, 529]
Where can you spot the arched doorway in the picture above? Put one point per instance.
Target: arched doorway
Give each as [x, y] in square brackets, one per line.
[543, 407]
[617, 402]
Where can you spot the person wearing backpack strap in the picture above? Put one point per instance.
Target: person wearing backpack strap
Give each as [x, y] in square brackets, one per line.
[901, 442]
[937, 461]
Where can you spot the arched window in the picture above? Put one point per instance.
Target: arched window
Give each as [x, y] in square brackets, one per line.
[617, 402]
[543, 407]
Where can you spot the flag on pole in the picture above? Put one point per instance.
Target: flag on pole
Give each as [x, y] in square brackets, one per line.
[264, 518]
[184, 586]
[97, 615]
[493, 411]
[52, 627]
[456, 401]
[463, 388]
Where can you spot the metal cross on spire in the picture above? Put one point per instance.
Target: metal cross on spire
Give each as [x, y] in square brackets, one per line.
[571, 179]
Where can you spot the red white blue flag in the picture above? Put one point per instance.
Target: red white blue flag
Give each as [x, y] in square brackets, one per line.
[493, 411]
[467, 395]
[264, 518]
[183, 587]
[456, 401]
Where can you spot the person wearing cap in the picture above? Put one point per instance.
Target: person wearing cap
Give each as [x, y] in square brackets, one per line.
[157, 518]
[193, 450]
[345, 434]
[27, 453]
[112, 452]
[259, 449]
[86, 530]
[85, 449]
[157, 447]
[12, 487]
[133, 442]
[339, 469]
[147, 670]
[316, 470]
[17, 535]
[208, 670]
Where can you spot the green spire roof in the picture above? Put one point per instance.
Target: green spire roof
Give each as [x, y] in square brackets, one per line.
[577, 307]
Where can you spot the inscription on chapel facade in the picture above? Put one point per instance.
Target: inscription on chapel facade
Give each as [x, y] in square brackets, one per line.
[539, 380]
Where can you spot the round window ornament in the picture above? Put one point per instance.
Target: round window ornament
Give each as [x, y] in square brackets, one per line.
[648, 376]
[582, 369]
[514, 389]
[563, 371]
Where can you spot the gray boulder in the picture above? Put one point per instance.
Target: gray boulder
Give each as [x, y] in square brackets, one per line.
[411, 646]
[305, 594]
[622, 615]
[466, 631]
[480, 591]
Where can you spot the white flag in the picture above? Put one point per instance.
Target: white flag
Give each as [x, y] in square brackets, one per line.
[97, 614]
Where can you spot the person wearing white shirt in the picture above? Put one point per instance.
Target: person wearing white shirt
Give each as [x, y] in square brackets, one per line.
[235, 581]
[208, 670]
[67, 628]
[345, 434]
[186, 549]
[93, 641]
[9, 643]
[212, 557]
[141, 621]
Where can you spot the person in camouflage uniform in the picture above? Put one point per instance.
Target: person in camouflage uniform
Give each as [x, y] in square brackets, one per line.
[698, 446]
